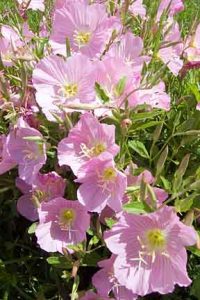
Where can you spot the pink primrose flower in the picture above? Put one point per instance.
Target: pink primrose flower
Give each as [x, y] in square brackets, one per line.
[59, 82]
[192, 51]
[105, 282]
[138, 9]
[61, 223]
[27, 149]
[154, 97]
[87, 27]
[174, 6]
[170, 54]
[101, 184]
[88, 139]
[149, 248]
[129, 49]
[117, 80]
[6, 162]
[44, 188]
[9, 42]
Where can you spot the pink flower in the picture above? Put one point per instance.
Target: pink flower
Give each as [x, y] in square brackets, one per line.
[27, 149]
[60, 82]
[193, 50]
[33, 4]
[154, 97]
[149, 248]
[147, 177]
[105, 282]
[9, 42]
[101, 184]
[61, 223]
[129, 48]
[6, 162]
[160, 196]
[117, 80]
[170, 54]
[138, 9]
[93, 296]
[44, 188]
[88, 139]
[174, 6]
[134, 180]
[87, 27]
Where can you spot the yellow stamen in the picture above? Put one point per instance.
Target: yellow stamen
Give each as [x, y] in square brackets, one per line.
[156, 240]
[109, 174]
[82, 38]
[70, 90]
[98, 149]
[66, 218]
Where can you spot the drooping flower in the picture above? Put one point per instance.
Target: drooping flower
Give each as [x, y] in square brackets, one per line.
[117, 81]
[32, 4]
[149, 248]
[105, 282]
[61, 223]
[138, 9]
[154, 97]
[101, 184]
[145, 176]
[44, 188]
[9, 42]
[192, 51]
[6, 162]
[174, 7]
[60, 82]
[172, 48]
[87, 27]
[88, 139]
[129, 48]
[26, 148]
[133, 179]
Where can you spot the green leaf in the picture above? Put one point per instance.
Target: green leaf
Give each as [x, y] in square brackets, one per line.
[161, 161]
[101, 93]
[110, 222]
[91, 259]
[136, 207]
[59, 262]
[147, 115]
[183, 205]
[146, 125]
[178, 176]
[194, 89]
[32, 228]
[166, 183]
[139, 147]
[194, 250]
[119, 88]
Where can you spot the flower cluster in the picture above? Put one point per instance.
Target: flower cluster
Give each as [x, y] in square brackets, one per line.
[94, 71]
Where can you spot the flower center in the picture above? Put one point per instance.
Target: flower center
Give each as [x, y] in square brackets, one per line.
[109, 174]
[94, 151]
[98, 149]
[66, 218]
[70, 90]
[82, 38]
[156, 240]
[37, 197]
